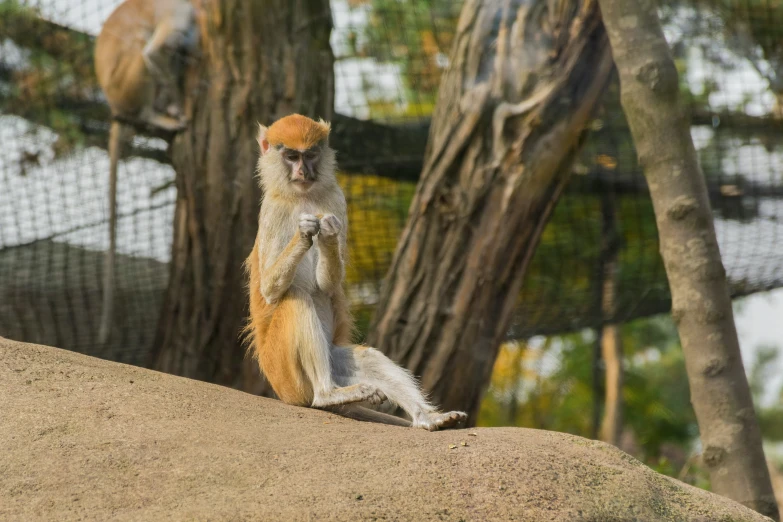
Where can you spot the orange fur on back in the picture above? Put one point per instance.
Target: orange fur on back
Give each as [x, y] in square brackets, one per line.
[270, 341]
[297, 132]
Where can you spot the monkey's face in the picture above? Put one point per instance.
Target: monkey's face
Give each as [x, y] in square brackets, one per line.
[296, 165]
[302, 166]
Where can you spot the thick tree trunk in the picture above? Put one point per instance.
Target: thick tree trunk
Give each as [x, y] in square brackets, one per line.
[700, 297]
[260, 60]
[513, 108]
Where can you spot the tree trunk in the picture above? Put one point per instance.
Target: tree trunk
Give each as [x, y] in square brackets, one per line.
[512, 111]
[595, 383]
[700, 297]
[609, 334]
[612, 354]
[260, 60]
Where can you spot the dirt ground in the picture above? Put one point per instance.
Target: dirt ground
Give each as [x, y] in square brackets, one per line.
[86, 439]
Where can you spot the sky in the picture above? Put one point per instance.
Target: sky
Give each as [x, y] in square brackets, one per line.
[757, 316]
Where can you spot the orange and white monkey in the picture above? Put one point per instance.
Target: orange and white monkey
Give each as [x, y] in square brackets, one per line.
[136, 64]
[300, 325]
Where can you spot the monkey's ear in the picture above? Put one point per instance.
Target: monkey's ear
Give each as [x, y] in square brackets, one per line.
[327, 127]
[262, 141]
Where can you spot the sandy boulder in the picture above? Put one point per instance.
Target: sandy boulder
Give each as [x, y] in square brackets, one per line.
[87, 439]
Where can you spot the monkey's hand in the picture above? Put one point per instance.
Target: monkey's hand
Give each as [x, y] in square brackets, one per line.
[308, 227]
[330, 226]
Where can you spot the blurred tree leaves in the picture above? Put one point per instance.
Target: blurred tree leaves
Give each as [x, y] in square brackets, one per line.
[416, 34]
[763, 369]
[546, 383]
[751, 29]
[377, 210]
[53, 63]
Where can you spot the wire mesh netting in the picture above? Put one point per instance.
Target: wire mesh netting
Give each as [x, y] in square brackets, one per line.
[390, 55]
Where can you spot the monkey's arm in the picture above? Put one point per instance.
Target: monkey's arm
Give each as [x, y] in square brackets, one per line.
[331, 265]
[276, 281]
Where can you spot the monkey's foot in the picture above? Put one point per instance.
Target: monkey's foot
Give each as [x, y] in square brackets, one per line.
[174, 111]
[349, 394]
[439, 421]
[168, 123]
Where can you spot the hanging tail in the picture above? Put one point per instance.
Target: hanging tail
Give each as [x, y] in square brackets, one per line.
[109, 278]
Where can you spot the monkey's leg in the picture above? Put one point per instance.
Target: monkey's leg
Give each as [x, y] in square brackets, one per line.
[163, 121]
[157, 56]
[368, 365]
[157, 51]
[326, 393]
[361, 392]
[311, 349]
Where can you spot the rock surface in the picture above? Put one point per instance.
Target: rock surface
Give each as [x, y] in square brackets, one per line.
[87, 439]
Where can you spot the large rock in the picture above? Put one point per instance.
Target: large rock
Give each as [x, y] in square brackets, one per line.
[86, 439]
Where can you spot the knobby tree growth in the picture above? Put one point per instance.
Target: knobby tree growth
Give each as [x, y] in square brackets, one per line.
[701, 305]
[260, 60]
[512, 110]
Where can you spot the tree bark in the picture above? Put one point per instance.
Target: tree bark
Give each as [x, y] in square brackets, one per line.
[596, 385]
[512, 111]
[612, 354]
[260, 60]
[701, 306]
[609, 334]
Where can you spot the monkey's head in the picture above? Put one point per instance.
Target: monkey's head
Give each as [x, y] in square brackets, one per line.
[295, 156]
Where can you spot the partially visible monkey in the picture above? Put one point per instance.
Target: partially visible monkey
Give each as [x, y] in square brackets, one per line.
[300, 325]
[135, 61]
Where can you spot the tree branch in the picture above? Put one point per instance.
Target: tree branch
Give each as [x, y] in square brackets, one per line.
[736, 122]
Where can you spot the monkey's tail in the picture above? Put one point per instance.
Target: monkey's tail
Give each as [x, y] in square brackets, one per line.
[360, 413]
[109, 265]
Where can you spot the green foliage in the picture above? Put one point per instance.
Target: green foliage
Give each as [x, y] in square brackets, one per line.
[549, 386]
[657, 400]
[57, 66]
[9, 8]
[771, 420]
[374, 204]
[417, 35]
[763, 369]
[750, 29]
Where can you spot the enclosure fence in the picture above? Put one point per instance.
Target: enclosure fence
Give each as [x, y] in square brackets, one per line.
[390, 55]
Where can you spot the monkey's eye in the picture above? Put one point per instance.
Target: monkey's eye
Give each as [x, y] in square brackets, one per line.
[291, 155]
[311, 155]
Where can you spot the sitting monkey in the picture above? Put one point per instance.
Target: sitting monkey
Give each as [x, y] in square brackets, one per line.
[300, 325]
